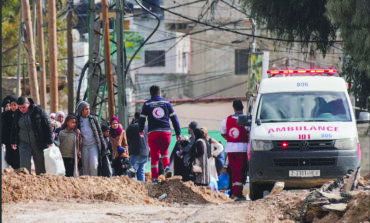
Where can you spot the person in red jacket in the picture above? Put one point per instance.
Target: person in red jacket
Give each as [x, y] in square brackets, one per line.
[237, 138]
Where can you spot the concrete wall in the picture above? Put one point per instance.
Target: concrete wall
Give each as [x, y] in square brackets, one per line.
[364, 137]
[173, 48]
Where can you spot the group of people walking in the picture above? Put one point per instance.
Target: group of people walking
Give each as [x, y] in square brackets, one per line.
[87, 146]
[92, 148]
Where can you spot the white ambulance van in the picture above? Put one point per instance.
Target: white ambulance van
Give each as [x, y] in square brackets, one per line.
[303, 130]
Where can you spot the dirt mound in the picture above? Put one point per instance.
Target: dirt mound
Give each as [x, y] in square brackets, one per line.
[19, 185]
[179, 192]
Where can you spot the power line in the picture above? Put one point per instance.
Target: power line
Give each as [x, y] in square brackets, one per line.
[193, 33]
[158, 57]
[232, 6]
[240, 33]
[196, 82]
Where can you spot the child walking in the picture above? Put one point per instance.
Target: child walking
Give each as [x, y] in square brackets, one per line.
[121, 163]
[70, 145]
[117, 136]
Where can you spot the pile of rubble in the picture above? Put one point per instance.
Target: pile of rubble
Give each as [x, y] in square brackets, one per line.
[19, 185]
[179, 192]
[344, 200]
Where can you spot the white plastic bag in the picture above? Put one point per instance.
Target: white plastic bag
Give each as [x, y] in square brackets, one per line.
[4, 163]
[54, 162]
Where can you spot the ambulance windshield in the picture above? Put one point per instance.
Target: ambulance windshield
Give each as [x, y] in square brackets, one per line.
[303, 107]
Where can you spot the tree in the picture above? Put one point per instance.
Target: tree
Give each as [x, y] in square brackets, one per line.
[353, 18]
[359, 82]
[303, 20]
[10, 26]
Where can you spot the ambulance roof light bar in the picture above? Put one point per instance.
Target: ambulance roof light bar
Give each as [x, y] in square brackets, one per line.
[331, 72]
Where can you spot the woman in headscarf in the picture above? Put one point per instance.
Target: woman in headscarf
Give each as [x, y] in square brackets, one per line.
[93, 142]
[6, 103]
[11, 155]
[201, 158]
[117, 135]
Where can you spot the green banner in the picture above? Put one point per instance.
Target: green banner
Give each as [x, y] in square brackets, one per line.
[133, 40]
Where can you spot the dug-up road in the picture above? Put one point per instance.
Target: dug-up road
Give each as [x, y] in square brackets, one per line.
[49, 198]
[70, 211]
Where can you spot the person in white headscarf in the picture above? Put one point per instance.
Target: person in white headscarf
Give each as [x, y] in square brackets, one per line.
[59, 120]
[59, 117]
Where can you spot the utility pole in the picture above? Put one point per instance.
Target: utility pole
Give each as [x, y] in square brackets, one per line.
[107, 59]
[53, 68]
[92, 55]
[34, 19]
[70, 70]
[19, 51]
[41, 51]
[121, 66]
[34, 87]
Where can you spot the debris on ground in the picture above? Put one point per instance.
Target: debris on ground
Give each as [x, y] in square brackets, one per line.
[344, 200]
[19, 185]
[186, 192]
[278, 187]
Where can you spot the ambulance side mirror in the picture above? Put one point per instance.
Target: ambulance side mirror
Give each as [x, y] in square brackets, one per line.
[364, 117]
[244, 120]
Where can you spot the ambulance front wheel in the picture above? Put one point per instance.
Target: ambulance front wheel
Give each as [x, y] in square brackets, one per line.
[256, 191]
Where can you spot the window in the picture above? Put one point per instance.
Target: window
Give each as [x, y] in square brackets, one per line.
[303, 107]
[185, 57]
[241, 61]
[155, 58]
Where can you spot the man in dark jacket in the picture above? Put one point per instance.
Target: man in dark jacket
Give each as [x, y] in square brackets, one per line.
[139, 148]
[159, 111]
[31, 131]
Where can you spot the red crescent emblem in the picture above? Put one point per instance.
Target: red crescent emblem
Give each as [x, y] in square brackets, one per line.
[158, 112]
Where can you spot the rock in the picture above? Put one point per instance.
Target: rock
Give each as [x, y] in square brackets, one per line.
[278, 187]
[334, 195]
[367, 177]
[23, 170]
[336, 207]
[8, 170]
[281, 217]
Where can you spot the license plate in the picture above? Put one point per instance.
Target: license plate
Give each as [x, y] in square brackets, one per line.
[304, 173]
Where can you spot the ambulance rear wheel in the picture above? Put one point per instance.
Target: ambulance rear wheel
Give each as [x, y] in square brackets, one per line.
[256, 191]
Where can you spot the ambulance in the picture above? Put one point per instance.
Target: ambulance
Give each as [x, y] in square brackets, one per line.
[303, 130]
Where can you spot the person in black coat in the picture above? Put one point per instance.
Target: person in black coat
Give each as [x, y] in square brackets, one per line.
[11, 155]
[139, 149]
[121, 163]
[31, 132]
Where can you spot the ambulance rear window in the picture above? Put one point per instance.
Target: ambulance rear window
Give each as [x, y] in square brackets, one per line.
[303, 107]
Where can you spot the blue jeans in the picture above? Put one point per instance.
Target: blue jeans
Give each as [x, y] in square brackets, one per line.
[139, 163]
